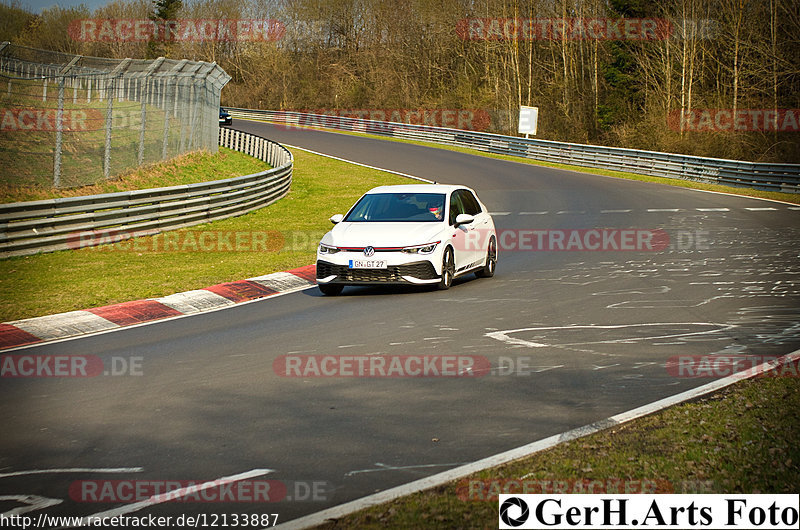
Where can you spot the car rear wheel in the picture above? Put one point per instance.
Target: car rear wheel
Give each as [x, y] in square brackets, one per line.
[329, 289]
[448, 270]
[491, 261]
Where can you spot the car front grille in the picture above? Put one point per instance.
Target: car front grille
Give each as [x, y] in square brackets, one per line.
[422, 270]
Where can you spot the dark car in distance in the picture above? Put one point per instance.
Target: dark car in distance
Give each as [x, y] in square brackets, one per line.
[224, 117]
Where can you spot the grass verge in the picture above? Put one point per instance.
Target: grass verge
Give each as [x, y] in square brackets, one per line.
[197, 166]
[745, 192]
[742, 439]
[152, 266]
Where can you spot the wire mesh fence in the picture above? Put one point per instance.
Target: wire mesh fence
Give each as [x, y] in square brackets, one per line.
[71, 120]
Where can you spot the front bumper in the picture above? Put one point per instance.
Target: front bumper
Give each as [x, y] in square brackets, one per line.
[418, 272]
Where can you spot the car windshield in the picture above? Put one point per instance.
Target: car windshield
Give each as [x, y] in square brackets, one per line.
[398, 207]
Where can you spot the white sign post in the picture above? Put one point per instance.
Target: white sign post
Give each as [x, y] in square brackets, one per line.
[528, 120]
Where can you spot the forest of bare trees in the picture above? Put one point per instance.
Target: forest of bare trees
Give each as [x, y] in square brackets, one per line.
[710, 77]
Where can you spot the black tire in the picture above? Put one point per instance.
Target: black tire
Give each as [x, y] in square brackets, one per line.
[330, 289]
[491, 261]
[448, 270]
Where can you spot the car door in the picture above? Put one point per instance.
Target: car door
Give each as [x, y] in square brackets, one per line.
[464, 239]
[480, 229]
[461, 253]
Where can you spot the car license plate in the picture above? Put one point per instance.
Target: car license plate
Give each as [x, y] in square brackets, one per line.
[367, 264]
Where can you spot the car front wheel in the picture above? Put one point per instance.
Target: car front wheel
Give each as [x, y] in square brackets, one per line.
[491, 261]
[448, 270]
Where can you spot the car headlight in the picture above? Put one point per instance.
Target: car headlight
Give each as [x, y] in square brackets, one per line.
[327, 249]
[421, 249]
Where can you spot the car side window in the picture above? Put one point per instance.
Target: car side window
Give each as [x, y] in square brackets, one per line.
[471, 204]
[455, 207]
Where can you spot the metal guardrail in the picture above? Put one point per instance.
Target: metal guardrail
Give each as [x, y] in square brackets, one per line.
[72, 222]
[774, 177]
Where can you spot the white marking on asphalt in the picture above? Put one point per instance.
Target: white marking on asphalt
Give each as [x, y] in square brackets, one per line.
[533, 213]
[174, 494]
[570, 212]
[350, 345]
[499, 213]
[640, 364]
[386, 467]
[615, 211]
[402, 343]
[503, 336]
[652, 210]
[661, 304]
[641, 290]
[32, 502]
[794, 208]
[540, 369]
[713, 209]
[761, 209]
[596, 367]
[74, 470]
[359, 163]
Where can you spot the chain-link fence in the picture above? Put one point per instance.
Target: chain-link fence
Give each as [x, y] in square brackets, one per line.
[70, 120]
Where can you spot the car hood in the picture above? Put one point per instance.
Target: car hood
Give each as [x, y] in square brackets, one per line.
[384, 234]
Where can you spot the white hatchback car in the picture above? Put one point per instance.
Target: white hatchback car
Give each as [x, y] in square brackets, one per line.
[408, 234]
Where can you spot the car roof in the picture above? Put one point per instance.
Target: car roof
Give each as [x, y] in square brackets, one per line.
[416, 188]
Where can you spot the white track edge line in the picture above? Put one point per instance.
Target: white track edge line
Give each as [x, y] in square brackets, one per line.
[439, 479]
[360, 164]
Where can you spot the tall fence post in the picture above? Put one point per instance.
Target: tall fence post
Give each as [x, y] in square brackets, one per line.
[143, 120]
[109, 126]
[59, 135]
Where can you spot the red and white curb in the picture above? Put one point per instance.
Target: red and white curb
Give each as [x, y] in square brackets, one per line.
[36, 330]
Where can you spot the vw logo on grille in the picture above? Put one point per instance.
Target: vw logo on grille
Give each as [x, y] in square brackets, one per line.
[369, 252]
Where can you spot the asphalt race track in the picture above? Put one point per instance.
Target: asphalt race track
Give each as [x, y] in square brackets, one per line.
[572, 337]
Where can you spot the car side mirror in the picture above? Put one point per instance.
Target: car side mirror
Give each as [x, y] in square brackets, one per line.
[336, 219]
[463, 219]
